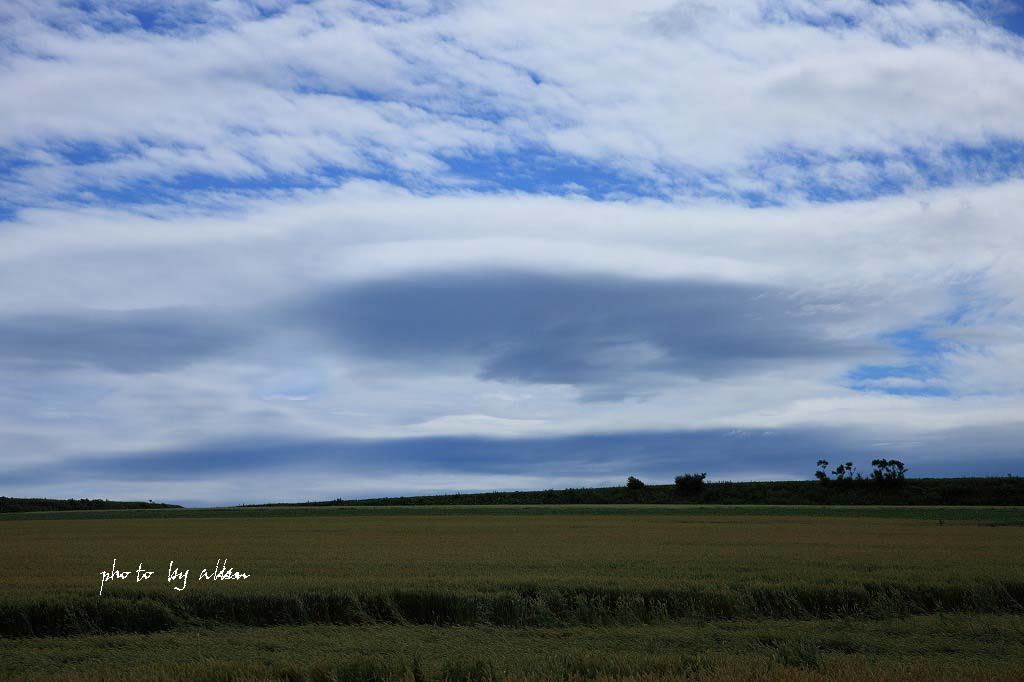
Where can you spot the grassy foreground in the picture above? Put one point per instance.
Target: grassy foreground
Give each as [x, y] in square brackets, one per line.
[917, 648]
[983, 515]
[531, 593]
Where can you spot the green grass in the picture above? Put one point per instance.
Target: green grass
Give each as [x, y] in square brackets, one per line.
[1000, 515]
[573, 592]
[931, 647]
[520, 608]
[469, 552]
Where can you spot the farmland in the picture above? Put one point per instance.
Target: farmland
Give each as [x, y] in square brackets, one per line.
[524, 592]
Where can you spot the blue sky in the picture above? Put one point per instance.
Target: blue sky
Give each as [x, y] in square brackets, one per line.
[355, 248]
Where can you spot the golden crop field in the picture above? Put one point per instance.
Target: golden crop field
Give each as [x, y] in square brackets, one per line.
[514, 596]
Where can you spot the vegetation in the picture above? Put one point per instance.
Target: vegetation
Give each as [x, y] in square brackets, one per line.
[945, 647]
[890, 471]
[847, 472]
[546, 593]
[993, 491]
[543, 593]
[634, 483]
[11, 505]
[688, 484]
[977, 514]
[822, 473]
[476, 550]
[521, 607]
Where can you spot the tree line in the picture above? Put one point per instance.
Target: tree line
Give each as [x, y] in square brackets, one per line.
[884, 472]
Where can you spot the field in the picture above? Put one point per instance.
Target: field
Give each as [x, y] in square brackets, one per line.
[517, 593]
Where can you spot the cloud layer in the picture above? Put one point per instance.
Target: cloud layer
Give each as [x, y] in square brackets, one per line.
[751, 100]
[597, 331]
[412, 246]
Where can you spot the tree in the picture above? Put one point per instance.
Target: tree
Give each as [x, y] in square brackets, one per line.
[687, 484]
[821, 474]
[888, 471]
[634, 483]
[846, 472]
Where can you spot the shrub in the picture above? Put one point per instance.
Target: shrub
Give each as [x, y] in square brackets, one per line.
[634, 483]
[690, 483]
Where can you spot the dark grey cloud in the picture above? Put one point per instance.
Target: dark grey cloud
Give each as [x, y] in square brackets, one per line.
[122, 341]
[609, 336]
[588, 331]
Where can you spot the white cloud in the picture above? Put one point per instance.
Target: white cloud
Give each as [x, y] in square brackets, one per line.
[673, 91]
[883, 265]
[684, 99]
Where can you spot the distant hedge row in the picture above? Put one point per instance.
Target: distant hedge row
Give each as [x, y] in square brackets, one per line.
[34, 504]
[994, 491]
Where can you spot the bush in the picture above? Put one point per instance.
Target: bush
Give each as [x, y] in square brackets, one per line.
[634, 483]
[687, 484]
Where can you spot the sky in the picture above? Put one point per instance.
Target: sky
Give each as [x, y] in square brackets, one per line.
[261, 250]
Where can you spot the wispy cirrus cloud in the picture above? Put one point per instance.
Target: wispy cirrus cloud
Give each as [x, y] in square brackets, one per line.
[754, 101]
